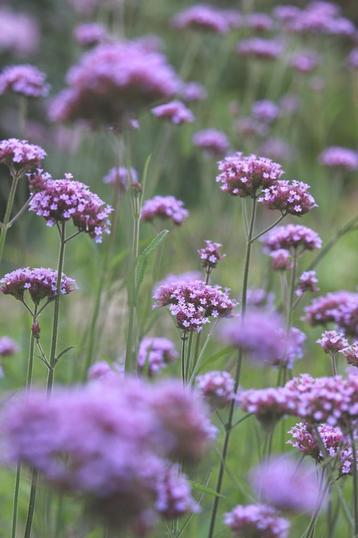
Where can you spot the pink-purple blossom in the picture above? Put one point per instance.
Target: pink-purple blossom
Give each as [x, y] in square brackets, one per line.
[340, 307]
[8, 346]
[19, 32]
[292, 237]
[307, 282]
[352, 59]
[155, 353]
[332, 341]
[20, 154]
[212, 142]
[210, 254]
[289, 197]
[243, 175]
[351, 354]
[90, 34]
[26, 80]
[217, 388]
[121, 177]
[39, 282]
[259, 22]
[201, 17]
[265, 110]
[268, 405]
[65, 199]
[164, 207]
[174, 111]
[193, 91]
[259, 48]
[305, 62]
[281, 260]
[256, 521]
[173, 495]
[340, 158]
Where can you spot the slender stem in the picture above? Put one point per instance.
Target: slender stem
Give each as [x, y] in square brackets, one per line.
[334, 363]
[355, 481]
[16, 500]
[15, 177]
[184, 338]
[31, 509]
[269, 228]
[188, 358]
[19, 213]
[237, 375]
[292, 291]
[31, 350]
[56, 311]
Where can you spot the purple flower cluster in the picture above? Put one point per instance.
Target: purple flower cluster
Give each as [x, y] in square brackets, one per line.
[268, 405]
[193, 91]
[340, 307]
[121, 177]
[99, 430]
[90, 34]
[38, 179]
[19, 32]
[113, 81]
[24, 80]
[210, 254]
[277, 149]
[261, 49]
[40, 282]
[175, 111]
[341, 158]
[259, 297]
[212, 141]
[259, 22]
[292, 237]
[352, 59]
[256, 521]
[281, 260]
[265, 111]
[66, 199]
[155, 353]
[308, 281]
[287, 486]
[243, 176]
[332, 341]
[164, 207]
[305, 62]
[192, 303]
[201, 17]
[251, 127]
[351, 354]
[21, 155]
[8, 347]
[318, 18]
[217, 388]
[290, 197]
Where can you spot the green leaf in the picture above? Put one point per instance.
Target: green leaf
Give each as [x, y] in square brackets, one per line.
[142, 261]
[198, 487]
[215, 357]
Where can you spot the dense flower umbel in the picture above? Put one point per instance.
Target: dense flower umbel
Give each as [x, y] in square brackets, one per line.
[65, 199]
[217, 388]
[175, 111]
[39, 282]
[38, 179]
[114, 81]
[277, 149]
[351, 354]
[19, 32]
[20, 154]
[260, 22]
[265, 110]
[193, 91]
[243, 175]
[174, 497]
[210, 254]
[340, 307]
[332, 341]
[90, 34]
[155, 353]
[261, 49]
[8, 347]
[212, 141]
[121, 177]
[292, 237]
[201, 17]
[284, 484]
[99, 430]
[290, 197]
[256, 521]
[24, 80]
[305, 62]
[308, 281]
[338, 157]
[193, 303]
[281, 260]
[268, 405]
[164, 207]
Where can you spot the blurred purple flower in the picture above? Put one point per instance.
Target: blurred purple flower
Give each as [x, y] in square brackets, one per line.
[155, 353]
[24, 80]
[217, 388]
[175, 111]
[164, 207]
[256, 521]
[290, 197]
[212, 142]
[21, 155]
[340, 158]
[292, 237]
[201, 17]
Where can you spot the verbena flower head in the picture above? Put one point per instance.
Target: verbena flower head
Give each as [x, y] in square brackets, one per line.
[164, 207]
[305, 62]
[99, 430]
[90, 34]
[210, 254]
[286, 485]
[24, 80]
[19, 32]
[102, 370]
[340, 307]
[175, 111]
[122, 177]
[113, 82]
[256, 521]
[242, 175]
[38, 179]
[289, 197]
[251, 127]
[173, 495]
[292, 237]
[261, 49]
[307, 282]
[281, 260]
[259, 22]
[201, 17]
[8, 347]
[20, 154]
[340, 158]
[352, 59]
[351, 354]
[258, 297]
[217, 388]
[332, 341]
[193, 303]
[193, 91]
[212, 142]
[277, 149]
[65, 199]
[265, 111]
[268, 405]
[39, 282]
[155, 353]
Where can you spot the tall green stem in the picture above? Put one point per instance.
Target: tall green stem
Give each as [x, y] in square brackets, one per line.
[56, 310]
[355, 481]
[15, 177]
[237, 375]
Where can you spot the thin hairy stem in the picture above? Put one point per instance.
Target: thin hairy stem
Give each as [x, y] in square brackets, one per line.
[15, 178]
